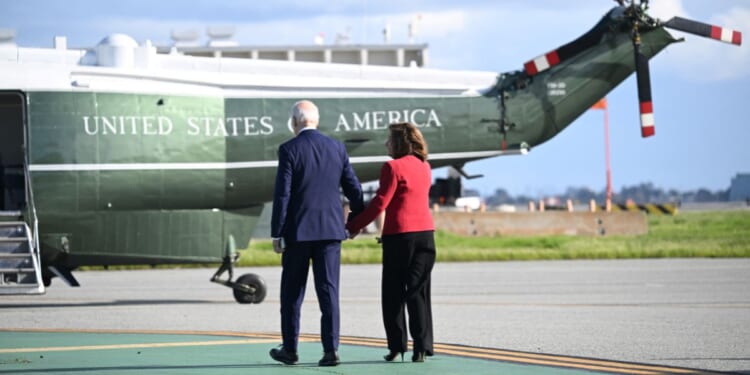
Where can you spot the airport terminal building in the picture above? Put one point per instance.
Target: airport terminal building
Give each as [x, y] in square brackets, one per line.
[739, 190]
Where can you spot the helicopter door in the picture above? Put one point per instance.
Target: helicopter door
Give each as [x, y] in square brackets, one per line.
[12, 159]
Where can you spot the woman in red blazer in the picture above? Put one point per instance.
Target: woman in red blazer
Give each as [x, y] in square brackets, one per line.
[408, 241]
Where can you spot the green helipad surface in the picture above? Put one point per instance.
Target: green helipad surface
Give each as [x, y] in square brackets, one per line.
[166, 352]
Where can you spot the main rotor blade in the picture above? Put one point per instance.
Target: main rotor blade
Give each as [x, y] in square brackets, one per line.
[703, 29]
[644, 91]
[550, 59]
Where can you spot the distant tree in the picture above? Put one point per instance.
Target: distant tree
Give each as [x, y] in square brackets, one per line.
[642, 193]
[524, 199]
[688, 196]
[470, 193]
[723, 195]
[703, 195]
[581, 194]
[501, 196]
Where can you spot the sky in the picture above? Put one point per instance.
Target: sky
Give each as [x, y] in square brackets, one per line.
[700, 88]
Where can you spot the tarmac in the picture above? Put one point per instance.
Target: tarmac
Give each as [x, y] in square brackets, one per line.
[646, 316]
[174, 352]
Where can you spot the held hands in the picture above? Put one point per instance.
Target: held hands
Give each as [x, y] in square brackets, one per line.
[278, 246]
[352, 235]
[349, 219]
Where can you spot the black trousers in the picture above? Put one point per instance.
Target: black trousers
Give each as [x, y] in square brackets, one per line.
[407, 264]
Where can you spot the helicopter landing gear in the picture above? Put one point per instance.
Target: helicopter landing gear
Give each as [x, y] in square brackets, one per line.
[249, 288]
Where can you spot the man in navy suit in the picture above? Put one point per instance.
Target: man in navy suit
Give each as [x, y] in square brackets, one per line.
[308, 224]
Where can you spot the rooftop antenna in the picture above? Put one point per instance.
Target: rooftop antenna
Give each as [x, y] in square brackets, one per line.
[182, 38]
[7, 38]
[343, 38]
[414, 27]
[221, 36]
[320, 39]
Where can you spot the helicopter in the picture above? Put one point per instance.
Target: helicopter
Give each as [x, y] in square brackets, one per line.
[121, 156]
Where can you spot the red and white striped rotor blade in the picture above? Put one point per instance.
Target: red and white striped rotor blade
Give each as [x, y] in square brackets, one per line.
[565, 52]
[719, 33]
[541, 63]
[643, 77]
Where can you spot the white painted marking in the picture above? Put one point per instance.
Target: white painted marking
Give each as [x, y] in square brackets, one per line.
[149, 166]
[245, 164]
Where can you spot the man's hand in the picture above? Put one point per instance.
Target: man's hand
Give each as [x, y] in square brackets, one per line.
[277, 246]
[352, 235]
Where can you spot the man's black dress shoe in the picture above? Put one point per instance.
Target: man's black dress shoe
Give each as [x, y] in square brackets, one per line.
[282, 355]
[329, 359]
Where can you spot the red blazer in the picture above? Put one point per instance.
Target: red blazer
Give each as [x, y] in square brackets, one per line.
[404, 195]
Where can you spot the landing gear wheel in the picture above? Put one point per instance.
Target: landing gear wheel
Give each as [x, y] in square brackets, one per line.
[253, 281]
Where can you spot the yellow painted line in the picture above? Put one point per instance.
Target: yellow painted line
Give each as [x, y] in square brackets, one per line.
[364, 343]
[135, 346]
[550, 363]
[547, 359]
[146, 332]
[471, 350]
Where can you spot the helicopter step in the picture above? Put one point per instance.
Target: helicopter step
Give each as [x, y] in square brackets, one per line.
[20, 268]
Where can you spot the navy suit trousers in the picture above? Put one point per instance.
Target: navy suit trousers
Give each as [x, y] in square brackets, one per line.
[326, 264]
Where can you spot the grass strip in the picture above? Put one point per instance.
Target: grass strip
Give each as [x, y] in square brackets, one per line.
[722, 234]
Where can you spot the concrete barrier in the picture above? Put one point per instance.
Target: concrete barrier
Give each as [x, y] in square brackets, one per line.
[542, 223]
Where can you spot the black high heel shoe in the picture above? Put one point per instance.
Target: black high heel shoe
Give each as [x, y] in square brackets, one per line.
[392, 355]
[418, 357]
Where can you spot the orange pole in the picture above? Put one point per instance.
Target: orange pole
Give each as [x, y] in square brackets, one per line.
[606, 151]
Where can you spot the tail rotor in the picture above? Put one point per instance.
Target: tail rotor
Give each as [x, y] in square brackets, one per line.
[632, 14]
[636, 13]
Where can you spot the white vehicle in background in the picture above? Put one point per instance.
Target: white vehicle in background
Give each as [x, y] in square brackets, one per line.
[471, 203]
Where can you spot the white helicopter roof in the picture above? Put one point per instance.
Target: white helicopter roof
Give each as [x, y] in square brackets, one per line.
[119, 64]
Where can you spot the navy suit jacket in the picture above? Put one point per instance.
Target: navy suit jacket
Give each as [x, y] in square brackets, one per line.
[306, 200]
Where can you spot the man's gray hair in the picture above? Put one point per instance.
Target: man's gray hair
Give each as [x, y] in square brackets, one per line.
[306, 112]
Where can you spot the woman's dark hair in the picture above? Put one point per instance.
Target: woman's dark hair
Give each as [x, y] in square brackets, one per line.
[406, 139]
